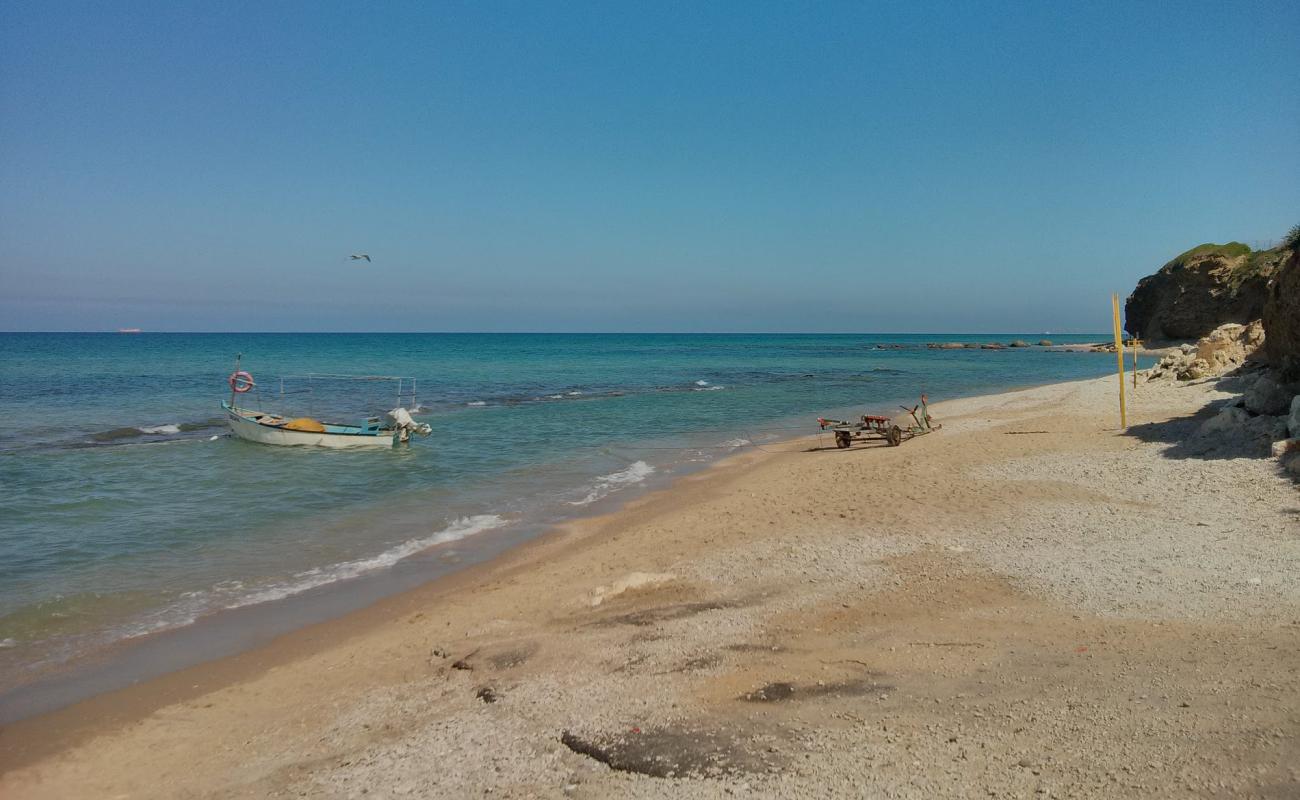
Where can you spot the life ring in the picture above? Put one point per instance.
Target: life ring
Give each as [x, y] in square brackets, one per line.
[241, 382]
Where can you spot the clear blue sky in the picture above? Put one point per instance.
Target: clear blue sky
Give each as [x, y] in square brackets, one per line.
[665, 167]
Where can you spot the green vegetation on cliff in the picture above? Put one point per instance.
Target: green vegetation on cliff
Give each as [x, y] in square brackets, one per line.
[1229, 250]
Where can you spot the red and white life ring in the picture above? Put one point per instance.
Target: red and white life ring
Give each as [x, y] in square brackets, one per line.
[241, 382]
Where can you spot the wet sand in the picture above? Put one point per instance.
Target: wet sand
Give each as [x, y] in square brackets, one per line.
[1028, 602]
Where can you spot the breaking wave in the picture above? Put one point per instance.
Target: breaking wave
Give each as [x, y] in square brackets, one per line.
[162, 429]
[310, 579]
[607, 484]
[118, 435]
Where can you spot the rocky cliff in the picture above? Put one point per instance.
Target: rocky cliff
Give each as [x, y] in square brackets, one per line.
[1260, 360]
[1282, 318]
[1200, 290]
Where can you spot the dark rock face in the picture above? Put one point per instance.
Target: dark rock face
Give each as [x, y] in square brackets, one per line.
[1200, 290]
[1282, 318]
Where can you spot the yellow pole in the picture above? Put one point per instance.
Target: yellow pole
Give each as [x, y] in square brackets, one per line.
[1119, 359]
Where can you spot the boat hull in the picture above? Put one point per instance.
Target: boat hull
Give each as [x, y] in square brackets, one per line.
[264, 434]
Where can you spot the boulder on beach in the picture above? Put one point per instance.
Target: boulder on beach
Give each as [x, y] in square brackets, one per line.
[1224, 349]
[1044, 342]
[1267, 396]
[1292, 465]
[1200, 290]
[1283, 448]
[1234, 433]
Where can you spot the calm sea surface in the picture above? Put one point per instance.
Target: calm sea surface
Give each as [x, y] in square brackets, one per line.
[127, 509]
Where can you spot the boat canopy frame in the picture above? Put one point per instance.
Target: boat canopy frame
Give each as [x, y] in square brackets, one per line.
[406, 385]
[406, 395]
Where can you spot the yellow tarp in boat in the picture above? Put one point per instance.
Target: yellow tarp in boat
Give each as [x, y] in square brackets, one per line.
[304, 424]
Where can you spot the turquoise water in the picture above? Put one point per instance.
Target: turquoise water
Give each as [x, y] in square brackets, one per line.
[128, 509]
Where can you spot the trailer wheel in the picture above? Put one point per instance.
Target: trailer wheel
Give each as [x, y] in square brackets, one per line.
[895, 436]
[843, 439]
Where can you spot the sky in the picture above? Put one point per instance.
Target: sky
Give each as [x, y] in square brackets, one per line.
[535, 166]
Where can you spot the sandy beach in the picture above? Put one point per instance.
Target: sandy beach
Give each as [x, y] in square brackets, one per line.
[1028, 603]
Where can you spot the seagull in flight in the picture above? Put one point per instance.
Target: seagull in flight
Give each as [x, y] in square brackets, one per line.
[358, 257]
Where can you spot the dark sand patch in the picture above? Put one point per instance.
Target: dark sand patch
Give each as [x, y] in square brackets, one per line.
[782, 691]
[669, 752]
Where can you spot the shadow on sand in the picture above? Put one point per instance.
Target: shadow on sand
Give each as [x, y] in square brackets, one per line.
[1186, 437]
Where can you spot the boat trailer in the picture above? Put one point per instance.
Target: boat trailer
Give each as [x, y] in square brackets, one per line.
[881, 428]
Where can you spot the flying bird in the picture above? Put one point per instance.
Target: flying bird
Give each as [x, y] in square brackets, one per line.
[358, 257]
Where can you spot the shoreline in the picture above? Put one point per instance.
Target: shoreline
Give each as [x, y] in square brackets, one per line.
[232, 631]
[400, 628]
[289, 643]
[377, 609]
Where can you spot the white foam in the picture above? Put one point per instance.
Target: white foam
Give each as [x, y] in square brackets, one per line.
[708, 388]
[161, 429]
[701, 383]
[605, 484]
[310, 579]
[476, 403]
[736, 443]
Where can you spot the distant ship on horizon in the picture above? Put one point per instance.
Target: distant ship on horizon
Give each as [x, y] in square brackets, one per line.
[128, 330]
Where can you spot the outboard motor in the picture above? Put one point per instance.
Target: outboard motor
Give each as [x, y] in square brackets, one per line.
[405, 425]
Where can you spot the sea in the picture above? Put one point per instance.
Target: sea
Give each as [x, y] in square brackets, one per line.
[130, 514]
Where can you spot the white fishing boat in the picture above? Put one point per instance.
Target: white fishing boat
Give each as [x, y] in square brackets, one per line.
[265, 427]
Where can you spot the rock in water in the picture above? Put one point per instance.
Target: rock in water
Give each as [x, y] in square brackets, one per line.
[1200, 290]
[1282, 318]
